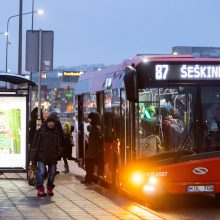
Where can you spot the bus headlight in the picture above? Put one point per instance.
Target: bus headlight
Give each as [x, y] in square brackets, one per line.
[148, 188]
[153, 180]
[138, 178]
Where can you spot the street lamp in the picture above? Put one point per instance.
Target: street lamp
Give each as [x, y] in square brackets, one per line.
[5, 33]
[40, 12]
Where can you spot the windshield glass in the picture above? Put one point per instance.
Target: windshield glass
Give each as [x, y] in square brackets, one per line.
[165, 118]
[210, 99]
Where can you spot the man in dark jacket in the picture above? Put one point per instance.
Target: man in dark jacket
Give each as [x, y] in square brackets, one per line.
[94, 153]
[46, 150]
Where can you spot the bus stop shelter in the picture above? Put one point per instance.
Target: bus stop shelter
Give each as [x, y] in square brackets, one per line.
[14, 115]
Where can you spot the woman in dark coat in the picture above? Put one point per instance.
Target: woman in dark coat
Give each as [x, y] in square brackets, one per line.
[94, 153]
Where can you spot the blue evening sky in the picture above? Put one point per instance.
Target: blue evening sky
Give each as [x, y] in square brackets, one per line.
[107, 31]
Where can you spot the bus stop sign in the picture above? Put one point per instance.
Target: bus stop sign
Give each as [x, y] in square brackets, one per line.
[32, 50]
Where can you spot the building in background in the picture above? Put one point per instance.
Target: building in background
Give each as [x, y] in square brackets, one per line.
[58, 88]
[57, 91]
[203, 52]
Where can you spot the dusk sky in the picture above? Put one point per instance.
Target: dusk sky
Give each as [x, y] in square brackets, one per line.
[108, 31]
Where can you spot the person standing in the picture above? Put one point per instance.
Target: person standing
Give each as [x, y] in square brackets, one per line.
[94, 153]
[46, 150]
[67, 146]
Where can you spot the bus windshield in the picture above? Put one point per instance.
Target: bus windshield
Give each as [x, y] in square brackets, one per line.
[210, 102]
[165, 118]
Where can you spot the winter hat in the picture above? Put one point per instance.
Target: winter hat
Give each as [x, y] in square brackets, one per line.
[96, 120]
[51, 118]
[54, 114]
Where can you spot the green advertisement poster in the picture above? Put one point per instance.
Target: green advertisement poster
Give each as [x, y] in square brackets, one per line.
[10, 131]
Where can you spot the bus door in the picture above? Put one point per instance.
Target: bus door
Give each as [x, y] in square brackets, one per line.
[100, 103]
[127, 114]
[100, 110]
[80, 142]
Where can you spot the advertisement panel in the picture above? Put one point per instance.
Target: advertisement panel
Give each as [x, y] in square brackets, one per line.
[13, 132]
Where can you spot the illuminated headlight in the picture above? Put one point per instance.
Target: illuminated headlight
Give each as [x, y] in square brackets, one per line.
[148, 188]
[153, 180]
[137, 178]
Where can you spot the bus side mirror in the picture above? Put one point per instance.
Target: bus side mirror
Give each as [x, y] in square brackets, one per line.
[131, 86]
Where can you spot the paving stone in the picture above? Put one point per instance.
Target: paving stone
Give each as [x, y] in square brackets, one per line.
[72, 200]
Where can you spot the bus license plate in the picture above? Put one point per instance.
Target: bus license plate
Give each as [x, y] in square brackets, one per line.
[206, 188]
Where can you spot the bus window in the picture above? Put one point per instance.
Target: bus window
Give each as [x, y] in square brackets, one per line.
[210, 99]
[112, 115]
[165, 117]
[92, 103]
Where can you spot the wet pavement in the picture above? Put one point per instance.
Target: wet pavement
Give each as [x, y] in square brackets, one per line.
[72, 200]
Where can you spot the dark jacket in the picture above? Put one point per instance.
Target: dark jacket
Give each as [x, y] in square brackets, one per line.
[67, 146]
[95, 145]
[46, 146]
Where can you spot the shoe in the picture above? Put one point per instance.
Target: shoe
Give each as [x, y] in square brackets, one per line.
[66, 169]
[41, 192]
[86, 182]
[50, 191]
[71, 158]
[57, 172]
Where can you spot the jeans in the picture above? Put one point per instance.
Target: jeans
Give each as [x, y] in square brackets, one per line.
[41, 175]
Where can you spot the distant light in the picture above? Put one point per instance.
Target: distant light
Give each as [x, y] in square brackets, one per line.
[40, 11]
[81, 72]
[99, 69]
[9, 70]
[59, 74]
[6, 33]
[175, 53]
[27, 76]
[145, 60]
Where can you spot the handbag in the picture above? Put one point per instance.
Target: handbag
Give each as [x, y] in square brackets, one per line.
[32, 174]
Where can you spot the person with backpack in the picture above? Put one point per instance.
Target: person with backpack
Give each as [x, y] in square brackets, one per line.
[94, 153]
[67, 145]
[46, 149]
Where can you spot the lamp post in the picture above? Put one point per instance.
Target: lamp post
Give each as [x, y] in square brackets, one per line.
[20, 38]
[32, 21]
[7, 34]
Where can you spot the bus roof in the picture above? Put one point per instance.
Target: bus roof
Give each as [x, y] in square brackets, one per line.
[112, 77]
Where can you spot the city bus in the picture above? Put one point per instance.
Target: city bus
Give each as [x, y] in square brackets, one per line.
[161, 123]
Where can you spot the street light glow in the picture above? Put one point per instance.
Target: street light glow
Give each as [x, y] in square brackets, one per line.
[40, 11]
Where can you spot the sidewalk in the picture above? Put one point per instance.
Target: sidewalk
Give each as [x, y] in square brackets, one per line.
[72, 200]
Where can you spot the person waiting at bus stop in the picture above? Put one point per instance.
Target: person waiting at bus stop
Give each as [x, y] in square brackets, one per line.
[94, 153]
[46, 150]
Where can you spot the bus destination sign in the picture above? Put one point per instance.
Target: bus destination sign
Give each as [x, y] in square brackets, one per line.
[187, 72]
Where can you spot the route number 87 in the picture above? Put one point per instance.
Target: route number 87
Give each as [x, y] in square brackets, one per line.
[161, 71]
